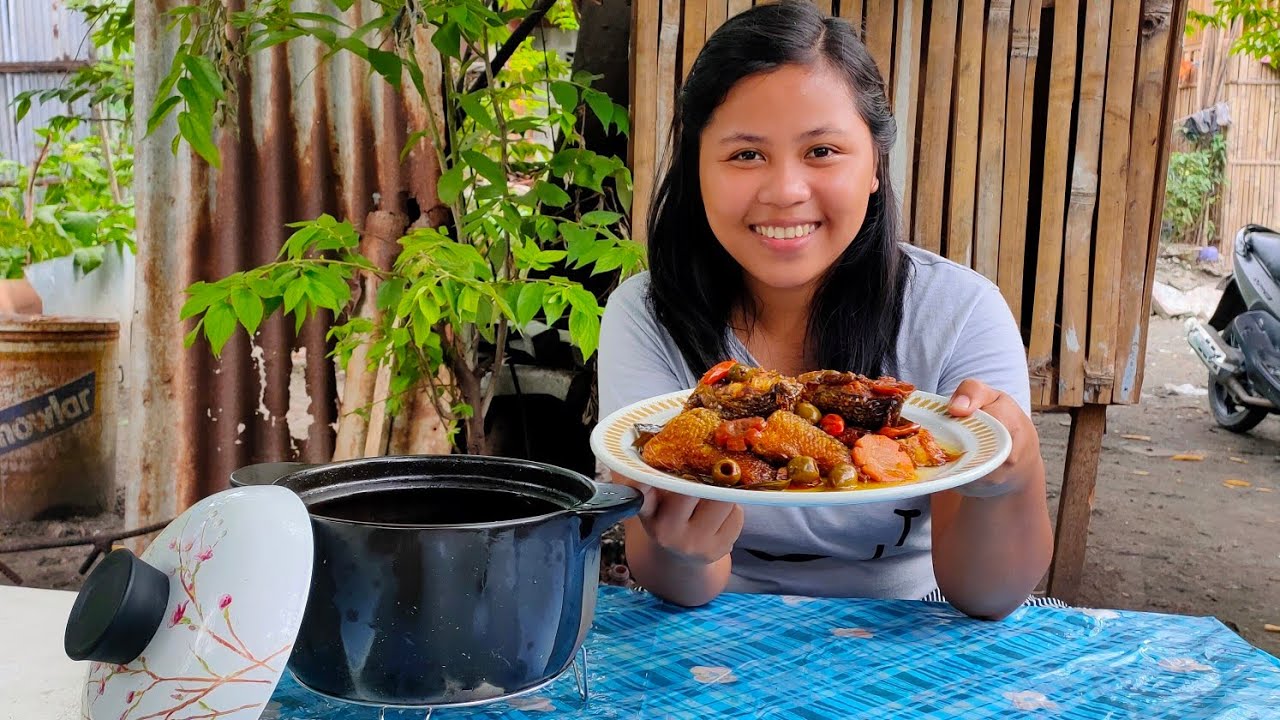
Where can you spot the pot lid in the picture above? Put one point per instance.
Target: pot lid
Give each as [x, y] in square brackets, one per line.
[202, 623]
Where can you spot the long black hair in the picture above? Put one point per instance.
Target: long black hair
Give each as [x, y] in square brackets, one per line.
[695, 285]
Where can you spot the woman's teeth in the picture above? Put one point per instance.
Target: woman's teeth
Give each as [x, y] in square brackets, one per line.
[785, 233]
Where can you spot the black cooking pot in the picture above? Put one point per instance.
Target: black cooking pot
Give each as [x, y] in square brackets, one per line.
[448, 579]
[445, 580]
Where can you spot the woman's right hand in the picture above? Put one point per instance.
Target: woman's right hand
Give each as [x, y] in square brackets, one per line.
[691, 530]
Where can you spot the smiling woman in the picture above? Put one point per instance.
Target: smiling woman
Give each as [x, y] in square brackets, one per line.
[783, 204]
[775, 241]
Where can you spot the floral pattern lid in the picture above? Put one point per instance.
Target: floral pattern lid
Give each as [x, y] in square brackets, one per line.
[238, 569]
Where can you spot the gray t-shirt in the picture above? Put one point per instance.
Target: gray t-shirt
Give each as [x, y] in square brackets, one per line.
[956, 326]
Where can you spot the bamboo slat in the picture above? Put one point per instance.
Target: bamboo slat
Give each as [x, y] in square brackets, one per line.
[905, 95]
[1077, 245]
[1146, 144]
[1177, 20]
[964, 134]
[1062, 86]
[879, 42]
[824, 5]
[716, 13]
[693, 32]
[668, 50]
[1024, 44]
[1099, 370]
[935, 117]
[644, 111]
[986, 233]
[737, 6]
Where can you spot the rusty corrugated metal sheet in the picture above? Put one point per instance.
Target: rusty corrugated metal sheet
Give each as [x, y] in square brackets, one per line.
[34, 31]
[307, 140]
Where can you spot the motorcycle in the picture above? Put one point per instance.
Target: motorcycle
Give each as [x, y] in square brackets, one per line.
[1240, 345]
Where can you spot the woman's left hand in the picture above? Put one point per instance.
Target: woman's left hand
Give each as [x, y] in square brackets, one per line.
[1024, 461]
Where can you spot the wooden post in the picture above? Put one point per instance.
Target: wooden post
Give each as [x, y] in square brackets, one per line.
[1070, 537]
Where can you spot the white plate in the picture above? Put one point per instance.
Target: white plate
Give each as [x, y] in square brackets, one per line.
[983, 440]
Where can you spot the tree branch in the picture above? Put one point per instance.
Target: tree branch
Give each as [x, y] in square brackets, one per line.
[536, 13]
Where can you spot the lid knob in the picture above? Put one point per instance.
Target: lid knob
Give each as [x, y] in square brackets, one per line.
[118, 610]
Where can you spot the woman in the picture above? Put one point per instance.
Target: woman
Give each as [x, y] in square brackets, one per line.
[775, 240]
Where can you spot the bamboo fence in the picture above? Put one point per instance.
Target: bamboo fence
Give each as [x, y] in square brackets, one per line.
[1033, 142]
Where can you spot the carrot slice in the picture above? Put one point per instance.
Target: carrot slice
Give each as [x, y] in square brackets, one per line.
[881, 459]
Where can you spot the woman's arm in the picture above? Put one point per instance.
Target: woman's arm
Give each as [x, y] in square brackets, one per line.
[992, 539]
[678, 547]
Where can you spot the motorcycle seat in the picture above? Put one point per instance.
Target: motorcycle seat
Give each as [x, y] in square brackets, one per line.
[1266, 247]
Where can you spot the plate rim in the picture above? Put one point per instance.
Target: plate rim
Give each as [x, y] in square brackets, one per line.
[919, 399]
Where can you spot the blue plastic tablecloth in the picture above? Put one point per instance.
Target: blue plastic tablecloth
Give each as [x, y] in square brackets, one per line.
[764, 656]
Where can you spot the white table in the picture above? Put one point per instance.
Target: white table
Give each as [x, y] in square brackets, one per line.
[37, 680]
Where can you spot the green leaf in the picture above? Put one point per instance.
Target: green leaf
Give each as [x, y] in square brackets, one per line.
[487, 168]
[219, 323]
[475, 109]
[299, 242]
[248, 307]
[190, 338]
[450, 185]
[389, 293]
[205, 74]
[553, 304]
[529, 303]
[448, 40]
[547, 257]
[82, 225]
[23, 107]
[584, 330]
[600, 104]
[566, 95]
[200, 295]
[550, 194]
[564, 160]
[601, 217]
[161, 112]
[386, 64]
[295, 292]
[88, 259]
[199, 136]
[344, 5]
[468, 300]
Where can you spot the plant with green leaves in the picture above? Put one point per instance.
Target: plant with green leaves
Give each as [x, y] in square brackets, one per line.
[75, 198]
[456, 292]
[1193, 186]
[71, 209]
[1259, 26]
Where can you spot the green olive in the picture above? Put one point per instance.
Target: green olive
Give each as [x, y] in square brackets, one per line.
[726, 472]
[809, 412]
[803, 472]
[738, 373]
[842, 476]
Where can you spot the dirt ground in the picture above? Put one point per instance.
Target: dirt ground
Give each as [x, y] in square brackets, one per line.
[1177, 539]
[1166, 535]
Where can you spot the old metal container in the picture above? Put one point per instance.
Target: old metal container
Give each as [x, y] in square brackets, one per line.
[59, 381]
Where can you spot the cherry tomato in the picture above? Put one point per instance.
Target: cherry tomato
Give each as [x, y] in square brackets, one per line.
[718, 372]
[832, 423]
